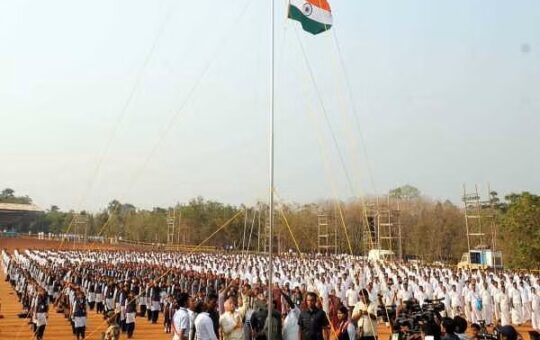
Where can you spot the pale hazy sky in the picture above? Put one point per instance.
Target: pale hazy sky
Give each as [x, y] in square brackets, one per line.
[446, 93]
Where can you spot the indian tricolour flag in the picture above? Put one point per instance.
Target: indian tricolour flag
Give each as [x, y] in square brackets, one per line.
[314, 15]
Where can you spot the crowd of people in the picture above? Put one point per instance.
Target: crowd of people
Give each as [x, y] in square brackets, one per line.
[225, 296]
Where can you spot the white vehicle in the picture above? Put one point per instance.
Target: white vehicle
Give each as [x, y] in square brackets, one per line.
[481, 259]
[381, 255]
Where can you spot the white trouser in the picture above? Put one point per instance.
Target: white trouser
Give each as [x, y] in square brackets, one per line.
[535, 318]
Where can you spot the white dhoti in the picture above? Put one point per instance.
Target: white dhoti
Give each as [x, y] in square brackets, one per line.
[505, 316]
[526, 312]
[448, 312]
[504, 312]
[516, 314]
[454, 311]
[477, 314]
[468, 314]
[487, 314]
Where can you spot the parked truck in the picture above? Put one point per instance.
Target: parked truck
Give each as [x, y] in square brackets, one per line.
[481, 259]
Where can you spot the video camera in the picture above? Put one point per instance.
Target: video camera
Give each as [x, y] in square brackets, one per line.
[433, 305]
[484, 334]
[416, 316]
[387, 313]
[488, 336]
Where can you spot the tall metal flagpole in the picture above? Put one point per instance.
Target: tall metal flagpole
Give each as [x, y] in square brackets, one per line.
[271, 208]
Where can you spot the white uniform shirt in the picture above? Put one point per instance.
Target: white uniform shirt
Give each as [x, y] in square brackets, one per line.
[181, 323]
[228, 323]
[204, 329]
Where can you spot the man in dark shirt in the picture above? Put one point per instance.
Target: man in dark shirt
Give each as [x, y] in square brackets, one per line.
[448, 327]
[213, 312]
[259, 321]
[313, 321]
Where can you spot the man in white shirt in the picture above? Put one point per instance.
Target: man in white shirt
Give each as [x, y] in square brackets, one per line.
[231, 322]
[204, 328]
[443, 294]
[505, 304]
[404, 294]
[496, 293]
[420, 295]
[181, 322]
[322, 289]
[466, 298]
[526, 301]
[455, 302]
[475, 301]
[535, 309]
[517, 305]
[487, 304]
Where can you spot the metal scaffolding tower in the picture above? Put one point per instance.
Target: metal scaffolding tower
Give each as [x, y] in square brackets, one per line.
[81, 223]
[382, 228]
[369, 233]
[480, 220]
[326, 235]
[171, 225]
[182, 230]
[264, 235]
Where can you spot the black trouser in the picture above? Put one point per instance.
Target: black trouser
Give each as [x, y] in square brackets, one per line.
[167, 324]
[155, 314]
[130, 328]
[99, 307]
[80, 332]
[149, 315]
[39, 332]
[143, 310]
[368, 338]
[91, 305]
[123, 325]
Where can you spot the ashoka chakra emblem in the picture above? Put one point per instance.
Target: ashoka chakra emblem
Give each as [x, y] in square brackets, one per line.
[307, 9]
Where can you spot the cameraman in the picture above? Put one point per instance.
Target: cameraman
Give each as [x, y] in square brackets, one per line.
[431, 329]
[461, 327]
[475, 331]
[509, 333]
[405, 332]
[448, 328]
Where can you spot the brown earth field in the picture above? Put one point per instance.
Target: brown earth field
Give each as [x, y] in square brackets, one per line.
[58, 328]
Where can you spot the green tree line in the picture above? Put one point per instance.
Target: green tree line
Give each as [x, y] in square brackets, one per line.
[431, 230]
